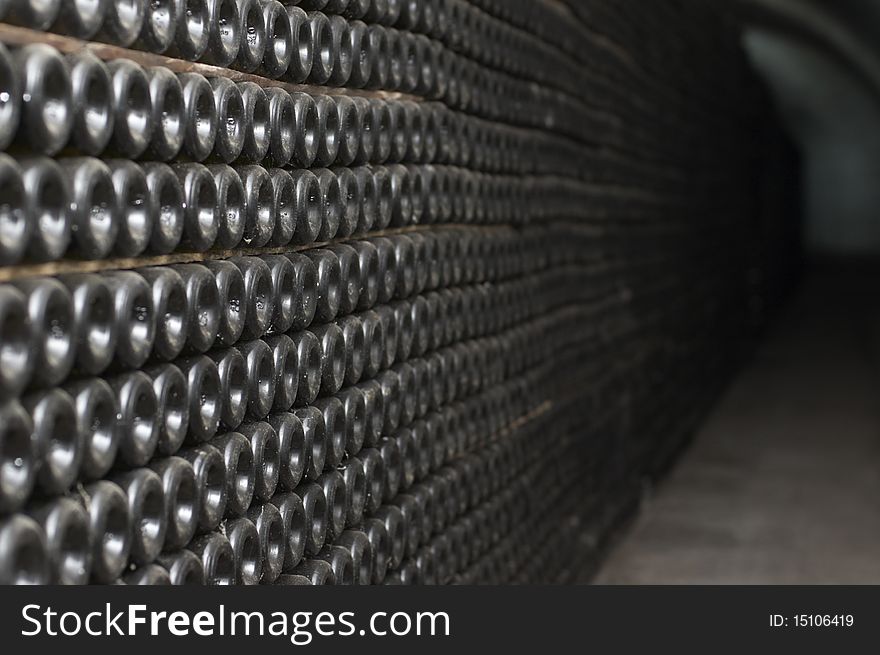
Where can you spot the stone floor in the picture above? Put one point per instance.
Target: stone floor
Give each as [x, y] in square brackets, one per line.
[782, 484]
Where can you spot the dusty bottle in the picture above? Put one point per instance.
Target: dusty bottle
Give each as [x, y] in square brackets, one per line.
[230, 109]
[168, 113]
[135, 316]
[47, 108]
[20, 457]
[132, 108]
[58, 444]
[109, 530]
[15, 226]
[65, 524]
[122, 22]
[52, 328]
[254, 35]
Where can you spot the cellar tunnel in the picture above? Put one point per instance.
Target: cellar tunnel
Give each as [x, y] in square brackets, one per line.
[778, 484]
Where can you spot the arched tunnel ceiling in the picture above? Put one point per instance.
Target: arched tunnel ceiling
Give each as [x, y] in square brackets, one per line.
[822, 62]
[847, 30]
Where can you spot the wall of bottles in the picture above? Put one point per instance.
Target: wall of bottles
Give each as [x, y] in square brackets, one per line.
[362, 291]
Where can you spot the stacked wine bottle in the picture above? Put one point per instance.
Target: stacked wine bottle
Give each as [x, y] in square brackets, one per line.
[359, 291]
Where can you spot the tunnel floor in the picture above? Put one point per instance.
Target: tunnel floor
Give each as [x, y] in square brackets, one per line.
[782, 483]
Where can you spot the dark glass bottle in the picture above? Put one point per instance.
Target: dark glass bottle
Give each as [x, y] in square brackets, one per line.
[47, 113]
[239, 462]
[210, 470]
[260, 204]
[358, 546]
[245, 542]
[20, 456]
[203, 396]
[170, 387]
[146, 511]
[33, 13]
[23, 535]
[109, 530]
[166, 207]
[285, 199]
[231, 206]
[355, 349]
[224, 32]
[94, 207]
[134, 316]
[65, 524]
[132, 108]
[290, 506]
[306, 290]
[168, 113]
[10, 98]
[272, 533]
[51, 323]
[216, 557]
[380, 546]
[138, 417]
[258, 293]
[253, 35]
[367, 128]
[200, 115]
[316, 515]
[350, 201]
[343, 59]
[349, 275]
[15, 224]
[334, 429]
[160, 25]
[122, 22]
[309, 207]
[321, 38]
[92, 98]
[256, 122]
[302, 45]
[332, 205]
[231, 128]
[97, 424]
[264, 448]
[354, 408]
[314, 443]
[337, 509]
[232, 371]
[231, 299]
[200, 224]
[292, 453]
[327, 130]
[170, 306]
[279, 40]
[368, 266]
[192, 31]
[184, 567]
[361, 55]
[340, 563]
[203, 305]
[328, 283]
[260, 376]
[285, 292]
[133, 198]
[181, 500]
[349, 130]
[58, 444]
[308, 350]
[282, 125]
